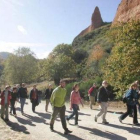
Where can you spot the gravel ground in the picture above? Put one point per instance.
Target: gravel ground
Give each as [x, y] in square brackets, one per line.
[35, 126]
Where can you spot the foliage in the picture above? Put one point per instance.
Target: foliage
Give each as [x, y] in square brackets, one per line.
[123, 66]
[60, 64]
[21, 66]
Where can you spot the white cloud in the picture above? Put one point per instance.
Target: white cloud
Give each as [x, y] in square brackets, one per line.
[22, 29]
[40, 49]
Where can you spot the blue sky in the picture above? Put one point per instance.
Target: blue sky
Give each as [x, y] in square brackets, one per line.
[43, 24]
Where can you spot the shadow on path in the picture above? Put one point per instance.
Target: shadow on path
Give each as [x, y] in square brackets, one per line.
[79, 113]
[108, 135]
[69, 136]
[134, 130]
[35, 119]
[44, 115]
[17, 127]
[24, 121]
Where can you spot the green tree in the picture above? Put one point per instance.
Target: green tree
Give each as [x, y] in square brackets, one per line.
[59, 64]
[21, 66]
[123, 66]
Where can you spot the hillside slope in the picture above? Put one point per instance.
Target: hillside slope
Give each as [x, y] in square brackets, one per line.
[96, 37]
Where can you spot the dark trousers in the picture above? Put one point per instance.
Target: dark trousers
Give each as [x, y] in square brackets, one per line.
[61, 111]
[13, 107]
[34, 103]
[75, 113]
[129, 109]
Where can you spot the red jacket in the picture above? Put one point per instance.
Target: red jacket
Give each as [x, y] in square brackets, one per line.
[3, 98]
[90, 90]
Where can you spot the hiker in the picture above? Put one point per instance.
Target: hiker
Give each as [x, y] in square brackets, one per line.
[34, 98]
[48, 94]
[138, 92]
[75, 100]
[131, 102]
[5, 102]
[58, 104]
[92, 92]
[102, 99]
[22, 93]
[14, 98]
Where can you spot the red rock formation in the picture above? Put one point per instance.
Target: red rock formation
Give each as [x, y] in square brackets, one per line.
[128, 10]
[96, 22]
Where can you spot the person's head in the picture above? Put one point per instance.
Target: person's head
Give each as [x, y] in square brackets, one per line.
[14, 89]
[7, 87]
[50, 86]
[17, 85]
[137, 82]
[62, 83]
[104, 83]
[133, 86]
[23, 84]
[94, 85]
[76, 87]
[34, 86]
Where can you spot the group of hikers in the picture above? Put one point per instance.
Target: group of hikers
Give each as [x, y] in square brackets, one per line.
[56, 97]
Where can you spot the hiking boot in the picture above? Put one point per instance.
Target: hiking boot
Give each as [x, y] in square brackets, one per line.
[136, 124]
[120, 120]
[51, 128]
[105, 122]
[7, 120]
[67, 132]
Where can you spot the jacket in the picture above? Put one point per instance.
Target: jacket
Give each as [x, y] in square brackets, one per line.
[92, 91]
[75, 98]
[34, 95]
[14, 96]
[131, 97]
[3, 97]
[58, 97]
[22, 92]
[102, 95]
[48, 93]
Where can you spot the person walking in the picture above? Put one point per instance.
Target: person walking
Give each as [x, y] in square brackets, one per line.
[58, 104]
[92, 92]
[75, 100]
[34, 98]
[48, 94]
[131, 102]
[14, 98]
[22, 93]
[5, 102]
[102, 99]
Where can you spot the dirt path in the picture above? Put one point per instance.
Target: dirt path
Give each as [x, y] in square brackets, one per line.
[35, 126]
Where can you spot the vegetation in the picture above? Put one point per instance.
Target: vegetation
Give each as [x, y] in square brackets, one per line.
[21, 67]
[123, 66]
[110, 53]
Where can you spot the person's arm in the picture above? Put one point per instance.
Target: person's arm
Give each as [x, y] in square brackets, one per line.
[71, 100]
[99, 95]
[53, 96]
[30, 95]
[80, 99]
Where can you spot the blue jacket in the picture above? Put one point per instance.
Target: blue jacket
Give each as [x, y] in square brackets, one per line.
[132, 97]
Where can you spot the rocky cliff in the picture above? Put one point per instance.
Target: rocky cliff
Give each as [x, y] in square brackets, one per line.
[127, 10]
[96, 22]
